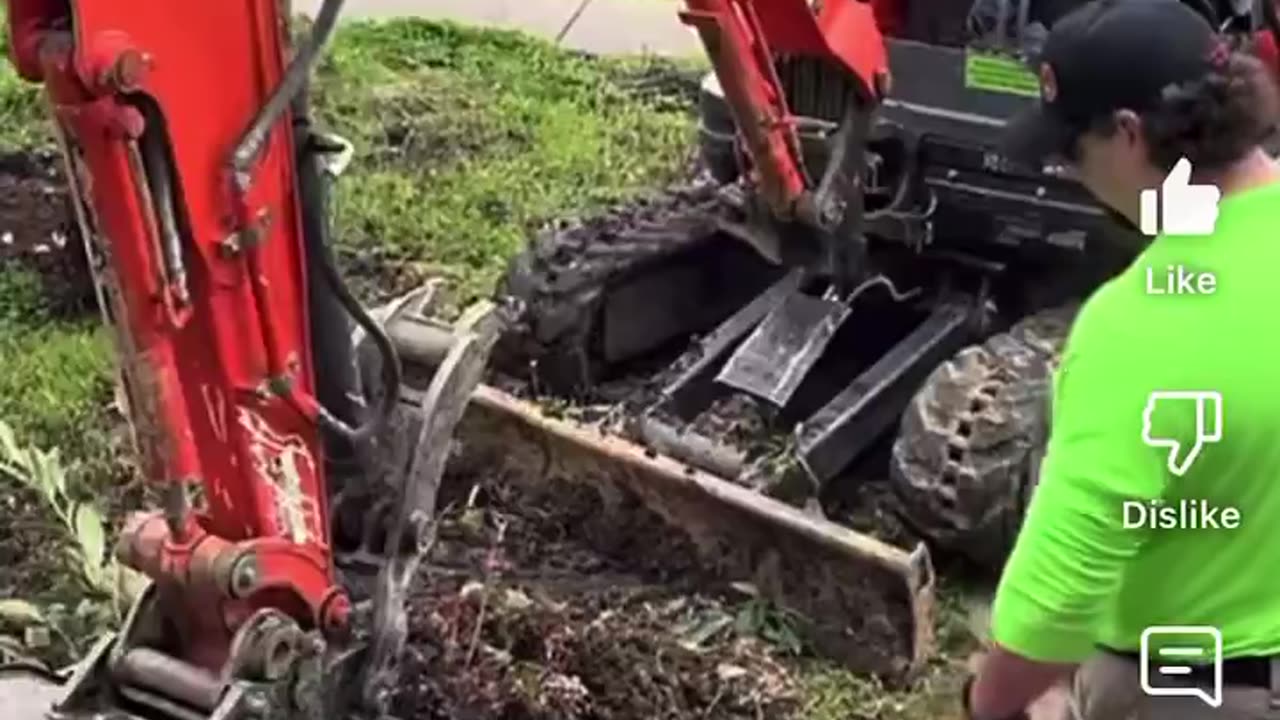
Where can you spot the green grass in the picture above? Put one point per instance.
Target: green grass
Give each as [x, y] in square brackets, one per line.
[57, 373]
[22, 109]
[467, 140]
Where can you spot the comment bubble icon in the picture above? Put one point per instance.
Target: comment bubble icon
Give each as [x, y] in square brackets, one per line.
[1169, 656]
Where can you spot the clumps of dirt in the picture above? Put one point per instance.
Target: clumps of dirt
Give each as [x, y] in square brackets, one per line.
[380, 274]
[517, 618]
[870, 506]
[498, 652]
[737, 419]
[38, 230]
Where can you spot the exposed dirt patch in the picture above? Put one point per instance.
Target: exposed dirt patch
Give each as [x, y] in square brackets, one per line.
[520, 618]
[25, 543]
[38, 228]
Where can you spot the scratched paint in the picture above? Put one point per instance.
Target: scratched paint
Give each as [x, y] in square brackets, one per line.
[282, 461]
[135, 389]
[215, 405]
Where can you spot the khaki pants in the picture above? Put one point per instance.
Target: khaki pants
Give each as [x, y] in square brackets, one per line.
[1107, 687]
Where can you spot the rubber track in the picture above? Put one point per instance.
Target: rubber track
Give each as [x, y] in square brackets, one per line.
[559, 283]
[967, 454]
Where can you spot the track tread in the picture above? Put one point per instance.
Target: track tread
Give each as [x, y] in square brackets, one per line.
[557, 285]
[968, 448]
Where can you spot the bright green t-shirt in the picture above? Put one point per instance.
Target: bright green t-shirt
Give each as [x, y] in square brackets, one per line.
[1078, 577]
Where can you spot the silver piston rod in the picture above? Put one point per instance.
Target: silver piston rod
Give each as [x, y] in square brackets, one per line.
[166, 675]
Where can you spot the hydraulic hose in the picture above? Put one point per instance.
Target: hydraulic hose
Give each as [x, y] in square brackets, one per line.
[295, 79]
[391, 369]
[243, 158]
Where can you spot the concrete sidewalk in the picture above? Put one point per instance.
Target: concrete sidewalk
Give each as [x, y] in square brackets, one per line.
[605, 26]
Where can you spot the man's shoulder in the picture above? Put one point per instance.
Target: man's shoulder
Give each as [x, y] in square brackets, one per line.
[1242, 210]
[1112, 317]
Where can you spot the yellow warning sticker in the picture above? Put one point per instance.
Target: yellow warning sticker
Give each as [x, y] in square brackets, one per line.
[999, 73]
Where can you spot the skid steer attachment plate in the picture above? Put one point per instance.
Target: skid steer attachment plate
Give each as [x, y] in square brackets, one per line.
[773, 361]
[866, 603]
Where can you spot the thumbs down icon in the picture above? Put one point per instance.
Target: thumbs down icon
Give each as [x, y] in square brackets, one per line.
[1207, 405]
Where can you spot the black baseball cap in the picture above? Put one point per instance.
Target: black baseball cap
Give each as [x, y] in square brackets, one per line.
[1106, 56]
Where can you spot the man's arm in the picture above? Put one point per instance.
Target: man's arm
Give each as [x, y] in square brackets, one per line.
[1008, 683]
[1070, 553]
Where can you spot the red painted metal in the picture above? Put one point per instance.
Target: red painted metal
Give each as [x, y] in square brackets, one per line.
[218, 366]
[891, 16]
[844, 30]
[739, 51]
[1268, 50]
[743, 37]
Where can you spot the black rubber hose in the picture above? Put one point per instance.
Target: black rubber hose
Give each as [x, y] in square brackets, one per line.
[244, 156]
[337, 413]
[391, 369]
[337, 383]
[295, 79]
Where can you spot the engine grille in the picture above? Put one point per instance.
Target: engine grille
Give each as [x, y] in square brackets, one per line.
[815, 87]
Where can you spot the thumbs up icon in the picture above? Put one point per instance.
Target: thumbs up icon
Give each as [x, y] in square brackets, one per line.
[1188, 209]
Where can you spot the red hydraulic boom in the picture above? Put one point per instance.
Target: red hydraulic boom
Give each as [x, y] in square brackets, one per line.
[183, 167]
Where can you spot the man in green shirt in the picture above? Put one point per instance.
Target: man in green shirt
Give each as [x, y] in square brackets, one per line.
[1158, 502]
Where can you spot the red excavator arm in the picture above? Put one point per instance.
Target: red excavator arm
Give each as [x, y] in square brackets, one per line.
[744, 37]
[207, 286]
[195, 178]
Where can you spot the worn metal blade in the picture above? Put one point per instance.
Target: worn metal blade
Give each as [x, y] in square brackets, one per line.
[441, 409]
[28, 693]
[693, 390]
[773, 361]
[865, 603]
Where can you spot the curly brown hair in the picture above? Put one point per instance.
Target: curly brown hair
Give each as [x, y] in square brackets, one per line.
[1216, 120]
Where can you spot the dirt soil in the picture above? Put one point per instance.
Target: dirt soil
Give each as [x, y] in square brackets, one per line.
[38, 228]
[518, 618]
[24, 544]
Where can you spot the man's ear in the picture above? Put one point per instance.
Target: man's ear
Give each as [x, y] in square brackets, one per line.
[1129, 125]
